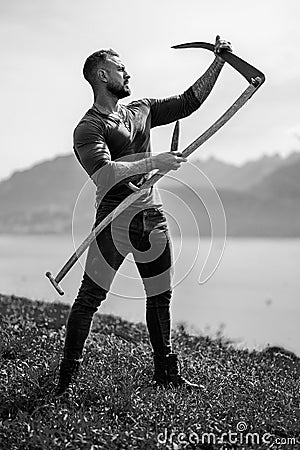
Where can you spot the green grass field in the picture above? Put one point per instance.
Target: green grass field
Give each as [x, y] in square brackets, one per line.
[252, 398]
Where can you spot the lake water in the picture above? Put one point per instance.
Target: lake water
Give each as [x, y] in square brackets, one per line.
[253, 296]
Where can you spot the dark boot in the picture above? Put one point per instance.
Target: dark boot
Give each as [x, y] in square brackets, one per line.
[160, 371]
[68, 372]
[174, 373]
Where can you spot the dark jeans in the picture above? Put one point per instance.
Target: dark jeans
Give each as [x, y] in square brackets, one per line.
[146, 236]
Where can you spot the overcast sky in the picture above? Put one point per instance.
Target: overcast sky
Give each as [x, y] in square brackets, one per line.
[44, 44]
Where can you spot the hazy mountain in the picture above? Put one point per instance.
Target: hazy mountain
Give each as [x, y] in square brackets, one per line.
[41, 198]
[261, 197]
[229, 176]
[283, 183]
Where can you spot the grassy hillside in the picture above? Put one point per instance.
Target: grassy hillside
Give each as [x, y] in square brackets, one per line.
[113, 407]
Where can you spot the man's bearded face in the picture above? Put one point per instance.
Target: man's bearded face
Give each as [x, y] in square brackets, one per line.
[118, 78]
[118, 89]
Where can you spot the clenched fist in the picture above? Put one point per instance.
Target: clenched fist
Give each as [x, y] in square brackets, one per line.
[220, 45]
[167, 161]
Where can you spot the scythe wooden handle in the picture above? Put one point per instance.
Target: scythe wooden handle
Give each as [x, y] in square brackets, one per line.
[255, 77]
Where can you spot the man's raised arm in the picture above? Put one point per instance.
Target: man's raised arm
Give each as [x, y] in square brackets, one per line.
[203, 86]
[168, 110]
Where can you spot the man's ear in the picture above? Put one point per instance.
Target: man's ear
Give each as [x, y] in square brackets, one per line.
[102, 75]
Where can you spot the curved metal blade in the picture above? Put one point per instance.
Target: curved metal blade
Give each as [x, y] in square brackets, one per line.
[237, 63]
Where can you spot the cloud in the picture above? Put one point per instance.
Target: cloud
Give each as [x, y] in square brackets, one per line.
[294, 131]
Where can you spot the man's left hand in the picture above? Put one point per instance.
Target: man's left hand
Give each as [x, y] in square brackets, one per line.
[220, 45]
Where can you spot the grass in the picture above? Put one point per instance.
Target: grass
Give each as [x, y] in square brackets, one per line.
[113, 406]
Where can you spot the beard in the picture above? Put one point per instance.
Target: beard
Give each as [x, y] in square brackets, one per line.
[118, 90]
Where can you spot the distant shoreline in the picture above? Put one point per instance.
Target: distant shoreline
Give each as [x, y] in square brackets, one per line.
[204, 236]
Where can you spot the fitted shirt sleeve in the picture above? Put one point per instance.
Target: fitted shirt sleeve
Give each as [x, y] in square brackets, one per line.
[93, 153]
[90, 147]
[168, 110]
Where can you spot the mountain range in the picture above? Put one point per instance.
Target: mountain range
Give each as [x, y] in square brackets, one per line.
[261, 198]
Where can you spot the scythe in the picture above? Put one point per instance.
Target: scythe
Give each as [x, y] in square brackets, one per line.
[255, 79]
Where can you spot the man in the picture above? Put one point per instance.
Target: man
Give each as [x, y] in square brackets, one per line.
[112, 143]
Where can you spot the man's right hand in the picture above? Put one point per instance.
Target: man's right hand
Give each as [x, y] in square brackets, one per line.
[167, 161]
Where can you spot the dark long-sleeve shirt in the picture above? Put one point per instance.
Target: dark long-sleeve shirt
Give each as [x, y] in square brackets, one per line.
[101, 139]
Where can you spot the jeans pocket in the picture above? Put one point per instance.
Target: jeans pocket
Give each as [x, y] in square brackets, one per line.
[155, 220]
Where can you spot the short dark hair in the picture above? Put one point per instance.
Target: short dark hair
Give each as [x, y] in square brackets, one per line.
[92, 63]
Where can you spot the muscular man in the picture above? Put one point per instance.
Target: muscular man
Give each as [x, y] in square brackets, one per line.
[112, 143]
